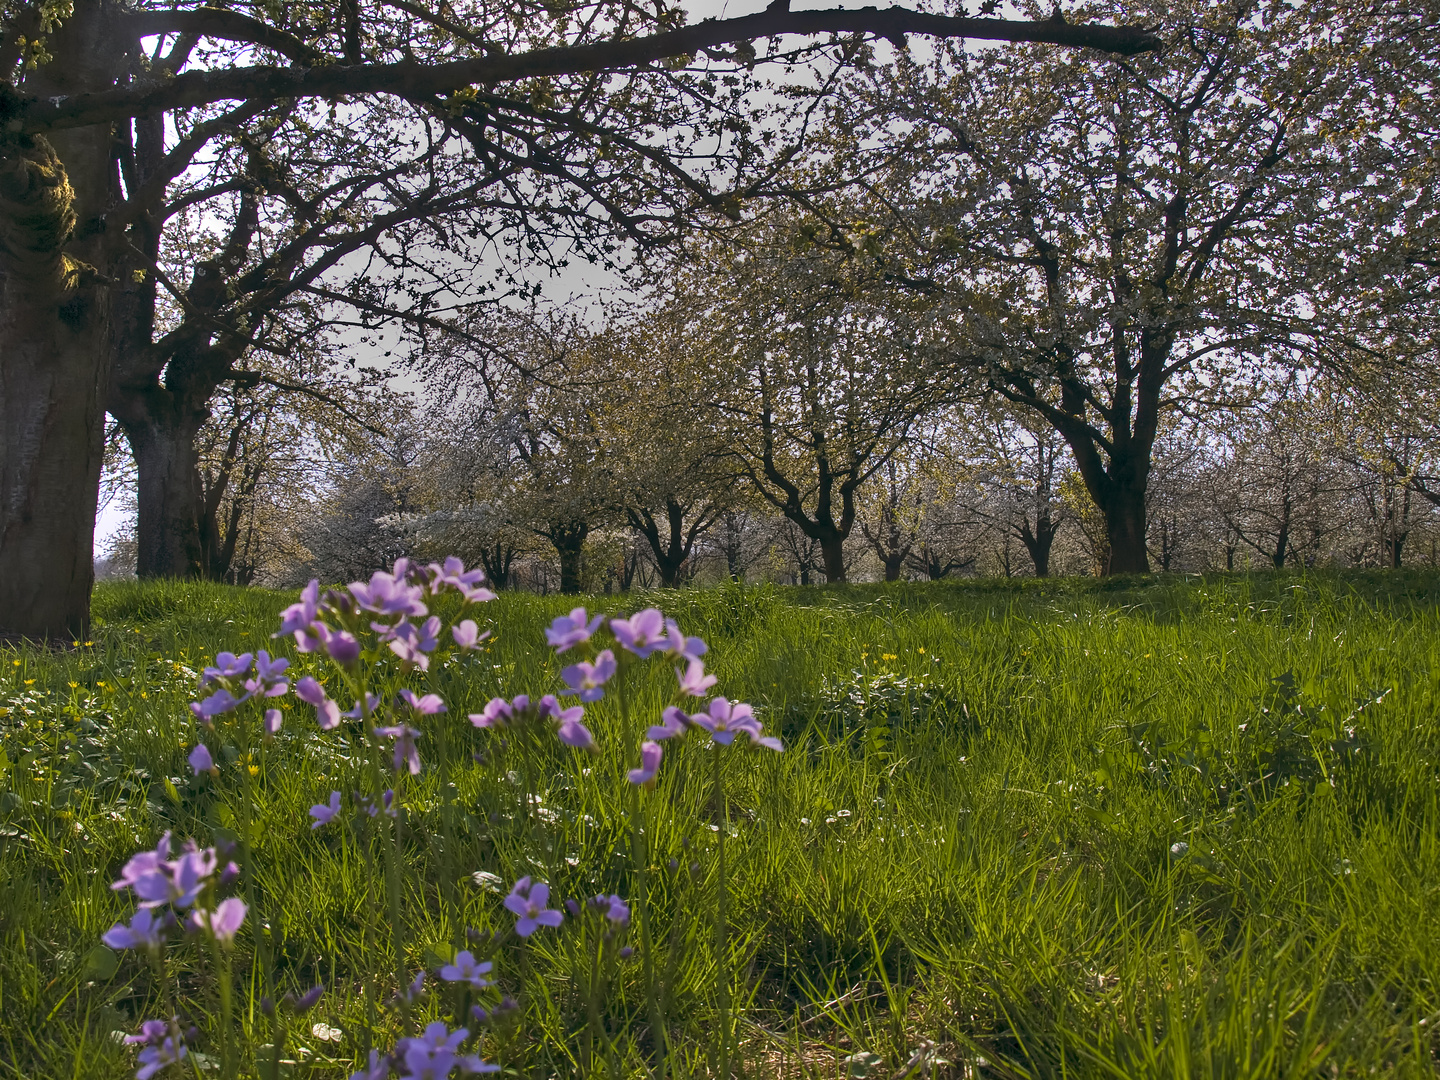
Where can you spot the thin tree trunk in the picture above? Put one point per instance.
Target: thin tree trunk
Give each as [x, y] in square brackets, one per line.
[1394, 546]
[1038, 543]
[496, 560]
[1282, 543]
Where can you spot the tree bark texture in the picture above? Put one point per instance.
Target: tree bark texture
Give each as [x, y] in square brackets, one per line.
[671, 551]
[568, 537]
[1039, 541]
[54, 321]
[168, 493]
[52, 382]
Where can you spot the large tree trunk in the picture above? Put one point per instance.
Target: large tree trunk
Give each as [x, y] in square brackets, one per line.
[54, 326]
[52, 380]
[569, 541]
[52, 384]
[832, 552]
[1125, 529]
[169, 498]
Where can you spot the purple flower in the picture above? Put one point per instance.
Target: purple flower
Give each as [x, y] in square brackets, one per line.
[268, 670]
[327, 713]
[309, 691]
[323, 814]
[642, 633]
[675, 725]
[570, 730]
[143, 863]
[307, 1001]
[157, 881]
[723, 720]
[222, 701]
[499, 713]
[678, 645]
[506, 1004]
[466, 582]
[411, 643]
[299, 616]
[224, 922]
[467, 635]
[465, 969]
[273, 720]
[355, 712]
[378, 1069]
[151, 1031]
[387, 802]
[435, 1054]
[575, 734]
[312, 638]
[425, 706]
[405, 751]
[650, 754]
[178, 882]
[389, 594]
[528, 902]
[163, 1047]
[269, 677]
[340, 645]
[227, 666]
[586, 678]
[145, 931]
[200, 760]
[567, 631]
[616, 910]
[693, 680]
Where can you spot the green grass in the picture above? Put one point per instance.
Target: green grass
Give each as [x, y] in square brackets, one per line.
[1179, 828]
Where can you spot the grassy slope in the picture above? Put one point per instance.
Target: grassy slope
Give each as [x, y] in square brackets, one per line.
[971, 838]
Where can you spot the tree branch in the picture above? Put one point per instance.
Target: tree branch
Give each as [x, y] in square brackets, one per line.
[20, 113]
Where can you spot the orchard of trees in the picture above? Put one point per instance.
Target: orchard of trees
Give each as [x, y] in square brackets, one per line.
[1110, 289]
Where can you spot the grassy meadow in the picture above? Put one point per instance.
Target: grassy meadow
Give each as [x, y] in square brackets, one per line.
[1170, 828]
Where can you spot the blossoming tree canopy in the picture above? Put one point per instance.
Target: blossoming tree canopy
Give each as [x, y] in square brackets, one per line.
[105, 106]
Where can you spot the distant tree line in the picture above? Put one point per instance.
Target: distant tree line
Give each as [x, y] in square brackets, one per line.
[1015, 310]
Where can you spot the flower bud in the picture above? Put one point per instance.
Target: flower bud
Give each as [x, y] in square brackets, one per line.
[626, 953]
[308, 999]
[267, 1005]
[674, 864]
[343, 648]
[573, 907]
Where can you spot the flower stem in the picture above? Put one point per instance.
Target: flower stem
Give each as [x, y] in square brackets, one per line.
[640, 901]
[222, 969]
[722, 965]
